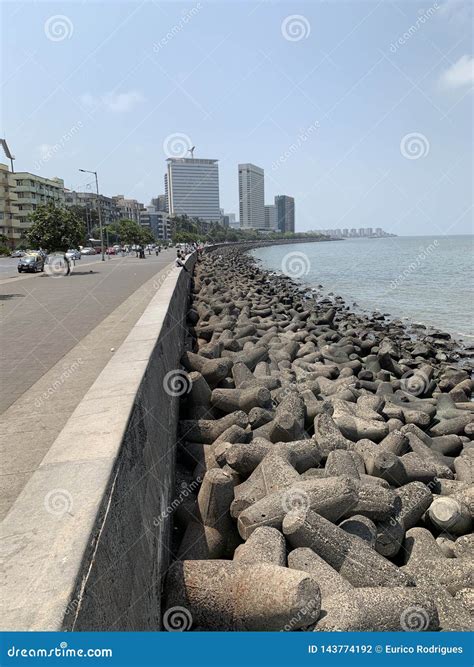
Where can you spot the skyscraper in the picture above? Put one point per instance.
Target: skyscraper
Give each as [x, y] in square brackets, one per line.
[192, 188]
[271, 217]
[251, 197]
[285, 213]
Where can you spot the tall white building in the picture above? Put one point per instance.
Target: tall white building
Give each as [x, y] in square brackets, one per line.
[251, 197]
[271, 217]
[192, 188]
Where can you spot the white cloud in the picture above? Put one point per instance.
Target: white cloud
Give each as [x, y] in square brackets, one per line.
[460, 74]
[115, 102]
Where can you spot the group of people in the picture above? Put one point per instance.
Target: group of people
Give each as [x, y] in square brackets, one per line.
[186, 249]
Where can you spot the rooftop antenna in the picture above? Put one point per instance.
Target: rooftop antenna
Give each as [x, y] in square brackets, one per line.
[191, 150]
[6, 150]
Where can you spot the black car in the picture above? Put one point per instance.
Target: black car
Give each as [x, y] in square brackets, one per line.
[31, 263]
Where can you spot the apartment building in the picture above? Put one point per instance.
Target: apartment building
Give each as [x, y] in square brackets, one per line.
[20, 194]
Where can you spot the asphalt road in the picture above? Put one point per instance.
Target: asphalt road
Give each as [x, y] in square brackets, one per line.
[44, 317]
[8, 265]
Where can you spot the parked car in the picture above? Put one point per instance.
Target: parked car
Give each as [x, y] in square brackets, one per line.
[73, 254]
[31, 263]
[88, 251]
[18, 253]
[110, 251]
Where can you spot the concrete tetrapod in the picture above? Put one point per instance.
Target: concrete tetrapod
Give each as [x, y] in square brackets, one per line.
[350, 556]
[412, 501]
[229, 595]
[265, 545]
[331, 497]
[380, 610]
[212, 536]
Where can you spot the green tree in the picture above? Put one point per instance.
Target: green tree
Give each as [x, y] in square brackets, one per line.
[55, 228]
[127, 232]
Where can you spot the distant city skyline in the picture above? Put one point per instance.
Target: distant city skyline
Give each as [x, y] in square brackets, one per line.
[362, 115]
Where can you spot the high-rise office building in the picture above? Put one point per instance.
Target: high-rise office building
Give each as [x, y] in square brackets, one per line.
[285, 213]
[271, 217]
[251, 197]
[192, 188]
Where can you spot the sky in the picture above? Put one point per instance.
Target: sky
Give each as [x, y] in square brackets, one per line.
[360, 110]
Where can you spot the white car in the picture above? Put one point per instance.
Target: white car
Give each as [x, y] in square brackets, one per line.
[73, 254]
[88, 251]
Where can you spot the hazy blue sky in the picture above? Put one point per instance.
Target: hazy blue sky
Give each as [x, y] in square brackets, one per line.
[325, 96]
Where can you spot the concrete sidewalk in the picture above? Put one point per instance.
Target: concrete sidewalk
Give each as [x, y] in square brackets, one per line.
[33, 421]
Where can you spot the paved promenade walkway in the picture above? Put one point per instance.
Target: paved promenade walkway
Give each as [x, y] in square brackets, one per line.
[57, 335]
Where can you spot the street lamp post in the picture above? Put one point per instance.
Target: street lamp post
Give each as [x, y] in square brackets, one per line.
[87, 171]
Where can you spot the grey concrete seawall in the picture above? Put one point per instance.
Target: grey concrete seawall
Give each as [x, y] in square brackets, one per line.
[85, 543]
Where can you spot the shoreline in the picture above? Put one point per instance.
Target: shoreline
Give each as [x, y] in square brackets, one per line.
[464, 341]
[308, 432]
